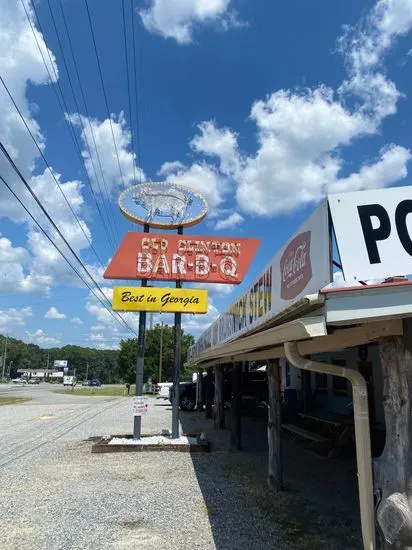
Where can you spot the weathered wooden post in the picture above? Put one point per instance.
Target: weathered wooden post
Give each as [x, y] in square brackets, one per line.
[236, 405]
[219, 413]
[209, 393]
[275, 473]
[393, 469]
[199, 386]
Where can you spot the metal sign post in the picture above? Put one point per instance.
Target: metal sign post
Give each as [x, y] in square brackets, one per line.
[141, 338]
[177, 336]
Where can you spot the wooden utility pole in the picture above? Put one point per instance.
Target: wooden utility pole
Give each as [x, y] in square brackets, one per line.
[275, 473]
[236, 406]
[219, 416]
[393, 469]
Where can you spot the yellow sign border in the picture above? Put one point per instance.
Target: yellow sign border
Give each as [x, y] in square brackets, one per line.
[160, 299]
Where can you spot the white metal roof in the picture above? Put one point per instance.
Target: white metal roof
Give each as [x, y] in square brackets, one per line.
[370, 311]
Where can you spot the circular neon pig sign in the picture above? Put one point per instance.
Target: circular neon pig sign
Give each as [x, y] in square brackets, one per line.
[163, 205]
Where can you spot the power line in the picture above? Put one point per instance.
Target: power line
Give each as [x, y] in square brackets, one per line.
[139, 158]
[128, 85]
[28, 187]
[103, 88]
[50, 170]
[63, 255]
[65, 109]
[81, 123]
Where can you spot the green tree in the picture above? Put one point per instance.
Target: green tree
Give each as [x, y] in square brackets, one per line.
[128, 350]
[103, 364]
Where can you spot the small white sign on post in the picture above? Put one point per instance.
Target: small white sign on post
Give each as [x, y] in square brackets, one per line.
[140, 405]
[374, 232]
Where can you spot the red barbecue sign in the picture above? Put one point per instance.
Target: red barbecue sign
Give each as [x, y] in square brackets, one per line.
[166, 257]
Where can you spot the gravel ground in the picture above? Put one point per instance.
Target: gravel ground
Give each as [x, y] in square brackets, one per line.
[56, 495]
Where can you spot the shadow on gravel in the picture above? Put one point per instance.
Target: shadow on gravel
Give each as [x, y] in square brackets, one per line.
[318, 509]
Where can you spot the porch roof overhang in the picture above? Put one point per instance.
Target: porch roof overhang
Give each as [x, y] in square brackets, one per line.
[335, 319]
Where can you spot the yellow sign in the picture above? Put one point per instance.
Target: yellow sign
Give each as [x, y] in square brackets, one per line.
[170, 300]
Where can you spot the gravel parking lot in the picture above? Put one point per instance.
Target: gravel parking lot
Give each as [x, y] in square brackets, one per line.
[55, 494]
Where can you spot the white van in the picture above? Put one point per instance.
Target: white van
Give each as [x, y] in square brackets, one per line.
[162, 390]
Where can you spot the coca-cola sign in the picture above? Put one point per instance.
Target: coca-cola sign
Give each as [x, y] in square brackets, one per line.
[301, 267]
[295, 266]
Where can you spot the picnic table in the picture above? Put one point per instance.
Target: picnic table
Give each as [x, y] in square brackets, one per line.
[339, 428]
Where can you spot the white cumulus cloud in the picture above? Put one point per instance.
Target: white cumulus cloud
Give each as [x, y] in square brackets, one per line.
[40, 338]
[303, 134]
[53, 313]
[76, 321]
[110, 163]
[14, 317]
[201, 177]
[177, 19]
[231, 221]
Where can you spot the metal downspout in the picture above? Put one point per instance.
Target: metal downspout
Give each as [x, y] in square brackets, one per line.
[362, 435]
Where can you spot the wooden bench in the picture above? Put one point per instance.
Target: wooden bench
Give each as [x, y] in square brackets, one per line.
[305, 433]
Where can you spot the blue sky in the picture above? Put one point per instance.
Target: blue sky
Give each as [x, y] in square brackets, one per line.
[262, 106]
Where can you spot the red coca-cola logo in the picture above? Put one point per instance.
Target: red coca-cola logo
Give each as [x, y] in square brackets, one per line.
[295, 267]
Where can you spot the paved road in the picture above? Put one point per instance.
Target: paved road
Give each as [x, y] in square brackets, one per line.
[56, 495]
[49, 417]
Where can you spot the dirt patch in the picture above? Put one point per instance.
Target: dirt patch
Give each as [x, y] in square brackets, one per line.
[318, 508]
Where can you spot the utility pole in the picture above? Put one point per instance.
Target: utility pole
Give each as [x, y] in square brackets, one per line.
[4, 359]
[87, 370]
[161, 353]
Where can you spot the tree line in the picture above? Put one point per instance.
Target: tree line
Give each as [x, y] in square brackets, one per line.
[110, 366]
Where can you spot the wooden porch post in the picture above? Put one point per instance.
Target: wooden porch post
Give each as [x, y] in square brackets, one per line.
[209, 393]
[219, 414]
[235, 433]
[275, 473]
[200, 390]
[393, 469]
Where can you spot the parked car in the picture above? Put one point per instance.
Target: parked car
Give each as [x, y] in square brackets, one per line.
[19, 381]
[187, 395]
[162, 390]
[69, 380]
[86, 382]
[33, 381]
[95, 382]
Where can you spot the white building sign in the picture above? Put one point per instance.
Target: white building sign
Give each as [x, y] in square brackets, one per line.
[374, 232]
[57, 364]
[301, 267]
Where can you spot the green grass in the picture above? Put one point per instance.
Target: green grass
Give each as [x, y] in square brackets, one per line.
[13, 400]
[104, 391]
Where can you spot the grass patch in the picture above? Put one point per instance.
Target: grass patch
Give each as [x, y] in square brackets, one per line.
[104, 391]
[13, 400]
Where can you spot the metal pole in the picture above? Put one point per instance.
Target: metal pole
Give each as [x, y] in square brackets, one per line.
[137, 427]
[362, 435]
[177, 357]
[161, 353]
